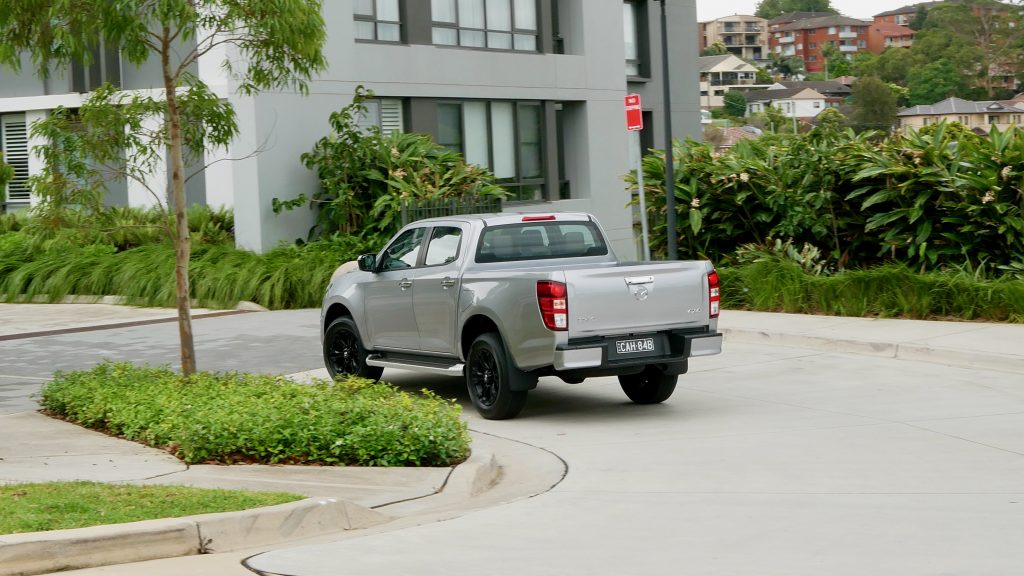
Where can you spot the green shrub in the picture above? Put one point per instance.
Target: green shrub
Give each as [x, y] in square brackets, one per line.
[887, 291]
[365, 176]
[938, 198]
[221, 276]
[123, 227]
[227, 418]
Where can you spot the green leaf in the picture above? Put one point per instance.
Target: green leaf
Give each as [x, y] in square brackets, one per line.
[696, 220]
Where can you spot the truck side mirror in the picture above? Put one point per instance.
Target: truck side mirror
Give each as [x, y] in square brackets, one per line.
[367, 262]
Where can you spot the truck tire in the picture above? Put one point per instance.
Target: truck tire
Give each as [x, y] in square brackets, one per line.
[489, 377]
[651, 386]
[344, 354]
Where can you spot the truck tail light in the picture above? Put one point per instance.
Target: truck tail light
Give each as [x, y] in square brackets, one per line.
[714, 299]
[553, 298]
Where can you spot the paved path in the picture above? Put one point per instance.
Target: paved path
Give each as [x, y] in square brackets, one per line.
[767, 461]
[905, 458]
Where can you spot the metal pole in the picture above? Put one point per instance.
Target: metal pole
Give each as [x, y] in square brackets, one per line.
[644, 235]
[670, 176]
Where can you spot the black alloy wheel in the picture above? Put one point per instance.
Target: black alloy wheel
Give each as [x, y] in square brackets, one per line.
[344, 354]
[488, 377]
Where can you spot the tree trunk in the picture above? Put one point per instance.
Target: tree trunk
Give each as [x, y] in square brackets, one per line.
[182, 240]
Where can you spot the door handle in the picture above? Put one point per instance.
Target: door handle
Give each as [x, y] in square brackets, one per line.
[405, 283]
[447, 283]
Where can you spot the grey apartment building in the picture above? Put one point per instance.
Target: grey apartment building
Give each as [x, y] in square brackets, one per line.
[531, 89]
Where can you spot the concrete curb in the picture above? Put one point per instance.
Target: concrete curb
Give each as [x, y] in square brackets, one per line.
[901, 351]
[44, 552]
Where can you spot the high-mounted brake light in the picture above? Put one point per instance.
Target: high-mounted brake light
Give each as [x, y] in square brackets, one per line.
[553, 299]
[714, 298]
[537, 218]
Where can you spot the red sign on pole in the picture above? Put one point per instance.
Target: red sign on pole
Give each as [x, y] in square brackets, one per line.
[634, 113]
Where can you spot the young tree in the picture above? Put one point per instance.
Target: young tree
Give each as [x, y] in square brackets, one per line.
[716, 49]
[735, 103]
[874, 105]
[270, 44]
[772, 8]
[934, 82]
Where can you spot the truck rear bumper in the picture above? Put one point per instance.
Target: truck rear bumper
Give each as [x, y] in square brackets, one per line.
[668, 348]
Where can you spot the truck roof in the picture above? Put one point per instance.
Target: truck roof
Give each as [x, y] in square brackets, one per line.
[513, 217]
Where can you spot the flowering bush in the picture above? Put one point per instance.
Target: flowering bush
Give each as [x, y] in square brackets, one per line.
[366, 175]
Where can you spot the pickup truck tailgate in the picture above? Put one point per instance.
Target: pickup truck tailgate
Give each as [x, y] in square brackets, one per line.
[637, 298]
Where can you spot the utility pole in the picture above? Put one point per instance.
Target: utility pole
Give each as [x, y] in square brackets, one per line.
[670, 176]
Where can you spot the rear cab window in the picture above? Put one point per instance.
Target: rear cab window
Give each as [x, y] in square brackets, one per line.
[540, 241]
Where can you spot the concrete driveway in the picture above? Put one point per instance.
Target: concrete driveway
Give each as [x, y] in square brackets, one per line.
[767, 461]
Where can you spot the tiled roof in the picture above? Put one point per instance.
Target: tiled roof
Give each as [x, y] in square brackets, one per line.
[783, 94]
[958, 106]
[824, 22]
[892, 30]
[822, 86]
[714, 63]
[794, 16]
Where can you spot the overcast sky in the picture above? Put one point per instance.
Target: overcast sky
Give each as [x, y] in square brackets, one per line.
[864, 9]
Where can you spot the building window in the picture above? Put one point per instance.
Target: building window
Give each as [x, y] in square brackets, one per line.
[812, 45]
[494, 24]
[104, 66]
[633, 31]
[812, 31]
[378, 20]
[817, 104]
[812, 58]
[384, 114]
[504, 136]
[993, 119]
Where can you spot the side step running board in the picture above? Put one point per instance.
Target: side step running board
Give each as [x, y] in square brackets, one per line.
[408, 364]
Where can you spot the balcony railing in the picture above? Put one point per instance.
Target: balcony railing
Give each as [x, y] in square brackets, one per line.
[733, 82]
[847, 48]
[787, 39]
[847, 34]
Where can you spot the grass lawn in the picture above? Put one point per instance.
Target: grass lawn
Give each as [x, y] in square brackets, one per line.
[61, 505]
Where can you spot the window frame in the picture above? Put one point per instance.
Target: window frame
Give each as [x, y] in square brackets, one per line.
[430, 238]
[513, 31]
[518, 182]
[377, 22]
[419, 255]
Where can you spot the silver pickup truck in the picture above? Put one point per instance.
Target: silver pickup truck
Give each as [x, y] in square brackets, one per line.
[504, 299]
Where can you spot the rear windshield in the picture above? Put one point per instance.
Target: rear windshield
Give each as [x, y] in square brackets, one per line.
[540, 241]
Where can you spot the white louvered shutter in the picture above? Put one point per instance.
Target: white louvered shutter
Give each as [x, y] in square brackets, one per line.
[15, 149]
[391, 116]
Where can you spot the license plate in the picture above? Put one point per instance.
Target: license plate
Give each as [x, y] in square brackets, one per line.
[634, 346]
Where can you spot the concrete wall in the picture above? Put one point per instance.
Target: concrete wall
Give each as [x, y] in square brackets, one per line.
[589, 80]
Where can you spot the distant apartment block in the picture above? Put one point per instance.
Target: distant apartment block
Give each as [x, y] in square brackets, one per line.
[883, 35]
[720, 74]
[806, 37]
[744, 36]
